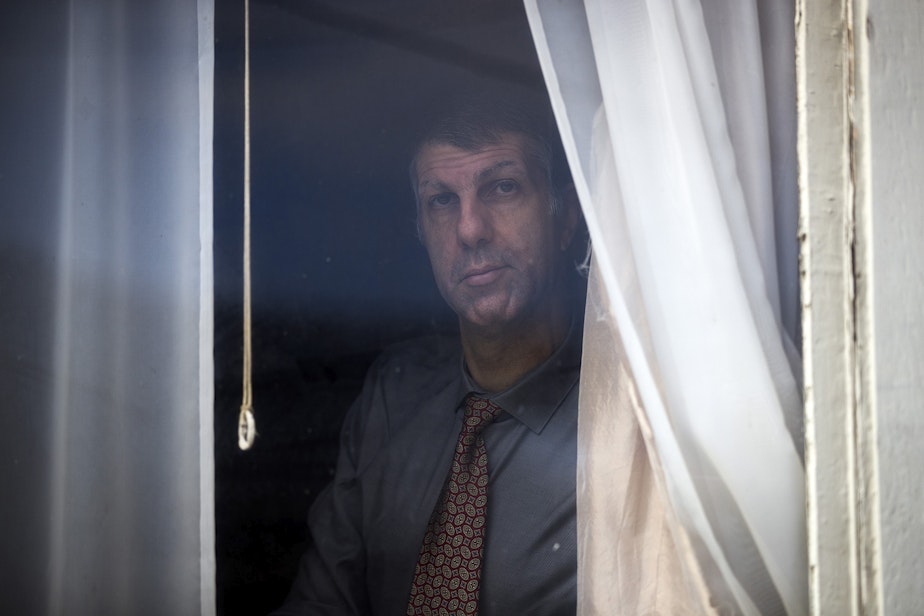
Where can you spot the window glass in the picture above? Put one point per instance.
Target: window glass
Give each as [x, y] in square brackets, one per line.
[337, 93]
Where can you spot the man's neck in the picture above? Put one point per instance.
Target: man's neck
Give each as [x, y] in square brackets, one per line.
[497, 361]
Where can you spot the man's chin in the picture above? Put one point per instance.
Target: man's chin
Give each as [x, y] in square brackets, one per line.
[487, 318]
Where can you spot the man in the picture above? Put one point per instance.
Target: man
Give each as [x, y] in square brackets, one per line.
[423, 516]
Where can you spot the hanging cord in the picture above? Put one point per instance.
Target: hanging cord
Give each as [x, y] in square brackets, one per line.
[246, 423]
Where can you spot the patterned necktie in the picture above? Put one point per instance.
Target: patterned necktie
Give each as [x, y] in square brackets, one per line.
[448, 574]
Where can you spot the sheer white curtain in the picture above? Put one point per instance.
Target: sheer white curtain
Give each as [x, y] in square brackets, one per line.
[678, 120]
[106, 286]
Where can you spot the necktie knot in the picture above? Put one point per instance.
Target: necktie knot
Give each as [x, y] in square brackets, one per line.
[479, 412]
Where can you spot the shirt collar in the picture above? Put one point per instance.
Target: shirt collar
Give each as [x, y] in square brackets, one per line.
[534, 398]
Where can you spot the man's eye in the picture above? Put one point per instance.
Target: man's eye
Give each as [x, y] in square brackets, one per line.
[506, 187]
[441, 200]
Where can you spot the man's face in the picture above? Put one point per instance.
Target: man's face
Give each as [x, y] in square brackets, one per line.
[485, 221]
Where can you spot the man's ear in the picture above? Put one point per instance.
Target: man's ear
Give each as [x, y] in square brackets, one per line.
[570, 216]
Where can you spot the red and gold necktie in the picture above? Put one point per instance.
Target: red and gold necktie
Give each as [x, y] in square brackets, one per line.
[448, 574]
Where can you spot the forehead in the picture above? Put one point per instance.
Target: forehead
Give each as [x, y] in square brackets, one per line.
[443, 164]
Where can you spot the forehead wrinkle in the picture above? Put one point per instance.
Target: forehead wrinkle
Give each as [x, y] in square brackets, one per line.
[440, 175]
[427, 183]
[485, 173]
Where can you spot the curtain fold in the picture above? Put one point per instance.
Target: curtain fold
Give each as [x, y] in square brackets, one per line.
[113, 105]
[664, 115]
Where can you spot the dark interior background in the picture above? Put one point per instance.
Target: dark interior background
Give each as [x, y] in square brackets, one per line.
[338, 91]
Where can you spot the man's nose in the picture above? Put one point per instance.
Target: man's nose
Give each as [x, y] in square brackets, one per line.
[474, 222]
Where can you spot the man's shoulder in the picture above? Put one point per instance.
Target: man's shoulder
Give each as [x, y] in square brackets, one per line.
[420, 364]
[423, 350]
[409, 378]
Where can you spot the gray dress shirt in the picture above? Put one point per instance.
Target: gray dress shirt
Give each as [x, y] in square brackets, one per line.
[396, 447]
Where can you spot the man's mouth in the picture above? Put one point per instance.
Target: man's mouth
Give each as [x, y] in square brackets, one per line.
[480, 276]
